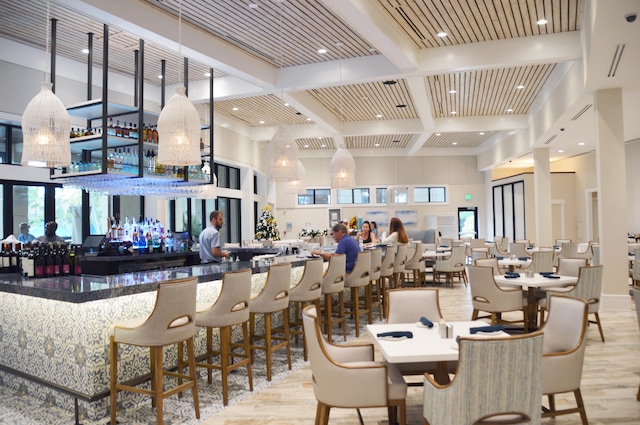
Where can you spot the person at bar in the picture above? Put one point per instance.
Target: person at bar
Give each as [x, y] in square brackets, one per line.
[346, 245]
[50, 235]
[397, 233]
[24, 235]
[366, 234]
[210, 251]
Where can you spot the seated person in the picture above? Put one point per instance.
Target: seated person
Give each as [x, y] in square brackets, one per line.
[346, 245]
[397, 234]
[366, 234]
[50, 234]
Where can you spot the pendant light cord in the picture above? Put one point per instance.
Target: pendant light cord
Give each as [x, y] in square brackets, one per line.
[180, 39]
[47, 45]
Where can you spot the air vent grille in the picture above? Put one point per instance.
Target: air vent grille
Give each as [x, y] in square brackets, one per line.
[615, 61]
[550, 139]
[582, 111]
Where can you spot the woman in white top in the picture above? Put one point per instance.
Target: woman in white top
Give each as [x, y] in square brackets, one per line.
[397, 233]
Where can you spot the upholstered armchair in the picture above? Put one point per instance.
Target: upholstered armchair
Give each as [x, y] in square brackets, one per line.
[451, 266]
[346, 376]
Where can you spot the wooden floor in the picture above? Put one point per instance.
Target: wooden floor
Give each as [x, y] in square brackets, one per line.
[609, 383]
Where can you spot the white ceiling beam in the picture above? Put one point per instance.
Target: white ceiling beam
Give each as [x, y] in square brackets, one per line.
[421, 100]
[307, 105]
[485, 123]
[417, 142]
[371, 23]
[152, 24]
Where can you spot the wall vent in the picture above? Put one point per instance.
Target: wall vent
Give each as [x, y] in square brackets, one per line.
[582, 111]
[550, 139]
[615, 61]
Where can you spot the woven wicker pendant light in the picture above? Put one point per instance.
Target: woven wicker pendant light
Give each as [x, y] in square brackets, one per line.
[298, 186]
[46, 126]
[343, 167]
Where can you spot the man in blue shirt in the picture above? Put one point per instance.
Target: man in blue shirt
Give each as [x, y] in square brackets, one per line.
[346, 245]
[24, 235]
[210, 251]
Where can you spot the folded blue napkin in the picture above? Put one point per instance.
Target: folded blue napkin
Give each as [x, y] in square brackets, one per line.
[514, 274]
[551, 276]
[426, 322]
[511, 276]
[444, 246]
[530, 247]
[556, 247]
[494, 328]
[523, 258]
[499, 257]
[546, 273]
[396, 334]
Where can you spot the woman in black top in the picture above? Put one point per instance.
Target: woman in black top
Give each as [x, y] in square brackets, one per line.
[366, 234]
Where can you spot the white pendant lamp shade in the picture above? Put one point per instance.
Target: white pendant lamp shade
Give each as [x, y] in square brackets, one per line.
[179, 132]
[343, 170]
[298, 186]
[282, 157]
[46, 127]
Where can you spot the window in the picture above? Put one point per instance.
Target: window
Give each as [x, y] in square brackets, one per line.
[16, 145]
[315, 197]
[28, 206]
[381, 195]
[4, 143]
[99, 213]
[353, 196]
[228, 177]
[429, 194]
[69, 214]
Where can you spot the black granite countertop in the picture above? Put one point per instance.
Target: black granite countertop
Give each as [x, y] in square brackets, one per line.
[85, 288]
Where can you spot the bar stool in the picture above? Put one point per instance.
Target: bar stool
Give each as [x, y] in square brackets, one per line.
[333, 283]
[230, 309]
[374, 279]
[273, 298]
[356, 279]
[386, 274]
[307, 290]
[398, 265]
[416, 265]
[170, 322]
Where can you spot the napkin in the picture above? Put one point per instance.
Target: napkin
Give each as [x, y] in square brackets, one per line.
[426, 322]
[556, 247]
[546, 273]
[551, 277]
[512, 274]
[530, 247]
[523, 258]
[396, 334]
[499, 257]
[495, 328]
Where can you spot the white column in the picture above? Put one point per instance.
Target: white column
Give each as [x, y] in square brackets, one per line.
[612, 202]
[542, 194]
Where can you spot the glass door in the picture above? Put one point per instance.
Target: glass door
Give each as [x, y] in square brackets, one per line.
[468, 222]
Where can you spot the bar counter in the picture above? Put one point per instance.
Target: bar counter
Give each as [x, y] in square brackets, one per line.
[55, 330]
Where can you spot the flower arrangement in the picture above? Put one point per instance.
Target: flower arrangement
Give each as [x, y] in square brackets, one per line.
[313, 233]
[267, 228]
[353, 223]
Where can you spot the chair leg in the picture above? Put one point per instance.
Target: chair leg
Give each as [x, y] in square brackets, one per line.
[225, 347]
[247, 352]
[158, 384]
[474, 315]
[287, 335]
[580, 403]
[322, 414]
[327, 314]
[113, 371]
[368, 302]
[552, 402]
[191, 358]
[152, 363]
[355, 301]
[599, 325]
[209, 359]
[267, 343]
[343, 322]
[638, 395]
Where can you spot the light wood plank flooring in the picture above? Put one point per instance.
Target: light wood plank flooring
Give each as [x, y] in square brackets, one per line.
[609, 384]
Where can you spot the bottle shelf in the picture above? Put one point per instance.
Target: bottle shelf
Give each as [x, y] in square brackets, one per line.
[94, 143]
[92, 110]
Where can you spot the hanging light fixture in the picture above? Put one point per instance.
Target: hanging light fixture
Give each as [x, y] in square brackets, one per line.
[179, 124]
[46, 125]
[343, 167]
[299, 186]
[282, 151]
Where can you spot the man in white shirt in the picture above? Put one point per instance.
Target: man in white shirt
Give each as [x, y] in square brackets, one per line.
[210, 251]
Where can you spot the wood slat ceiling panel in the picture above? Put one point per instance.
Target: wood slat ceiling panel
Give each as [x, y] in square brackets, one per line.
[463, 139]
[467, 21]
[252, 110]
[362, 102]
[487, 92]
[25, 22]
[316, 143]
[285, 33]
[384, 141]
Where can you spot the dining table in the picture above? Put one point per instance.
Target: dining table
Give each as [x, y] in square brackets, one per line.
[513, 263]
[425, 345]
[434, 254]
[530, 284]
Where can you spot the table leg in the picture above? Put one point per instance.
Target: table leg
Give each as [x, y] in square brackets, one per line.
[532, 309]
[441, 374]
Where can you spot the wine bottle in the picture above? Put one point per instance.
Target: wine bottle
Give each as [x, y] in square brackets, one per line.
[66, 264]
[40, 262]
[49, 261]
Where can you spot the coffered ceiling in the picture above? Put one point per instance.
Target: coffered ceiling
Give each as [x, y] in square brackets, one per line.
[403, 77]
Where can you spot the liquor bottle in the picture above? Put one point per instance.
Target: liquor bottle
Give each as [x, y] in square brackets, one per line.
[144, 133]
[120, 231]
[88, 132]
[118, 129]
[40, 262]
[57, 260]
[72, 135]
[66, 262]
[114, 229]
[77, 269]
[155, 134]
[133, 133]
[111, 131]
[72, 259]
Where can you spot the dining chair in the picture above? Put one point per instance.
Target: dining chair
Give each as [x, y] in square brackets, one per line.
[398, 265]
[586, 254]
[356, 280]
[498, 381]
[635, 291]
[416, 265]
[446, 242]
[172, 321]
[635, 268]
[230, 309]
[479, 253]
[487, 296]
[347, 376]
[519, 249]
[570, 266]
[452, 266]
[502, 244]
[307, 290]
[565, 252]
[588, 288]
[559, 242]
[374, 281]
[541, 261]
[563, 353]
[333, 284]
[272, 299]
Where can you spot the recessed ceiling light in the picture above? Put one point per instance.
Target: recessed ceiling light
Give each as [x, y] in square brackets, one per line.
[321, 51]
[481, 133]
[402, 105]
[85, 51]
[306, 146]
[261, 121]
[377, 145]
[389, 82]
[454, 143]
[452, 91]
[235, 108]
[286, 104]
[308, 119]
[509, 110]
[319, 137]
[253, 5]
[541, 21]
[560, 151]
[323, 145]
[453, 112]
[438, 134]
[160, 76]
[581, 144]
[520, 87]
[207, 74]
[372, 49]
[442, 34]
[379, 116]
